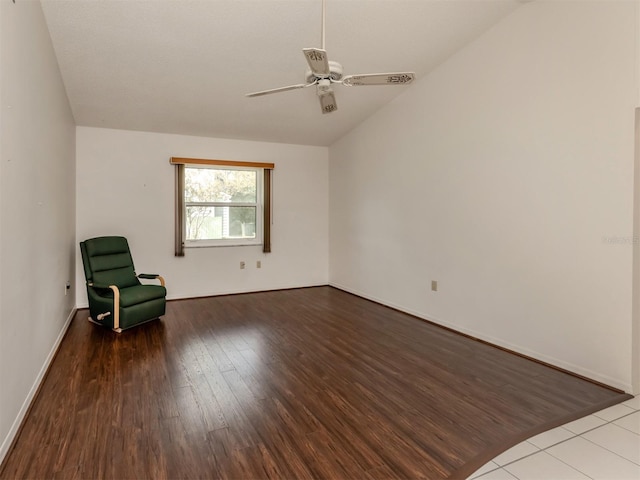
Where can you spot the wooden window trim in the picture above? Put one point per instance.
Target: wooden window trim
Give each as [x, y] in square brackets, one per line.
[224, 163]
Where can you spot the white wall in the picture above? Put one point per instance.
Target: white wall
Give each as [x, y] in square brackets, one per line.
[125, 186]
[507, 176]
[37, 205]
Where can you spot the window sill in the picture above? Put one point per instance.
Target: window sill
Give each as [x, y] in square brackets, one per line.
[218, 245]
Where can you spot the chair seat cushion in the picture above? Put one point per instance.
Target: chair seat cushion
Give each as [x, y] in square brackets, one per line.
[140, 294]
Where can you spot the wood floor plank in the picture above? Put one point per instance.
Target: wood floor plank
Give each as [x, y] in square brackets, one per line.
[308, 384]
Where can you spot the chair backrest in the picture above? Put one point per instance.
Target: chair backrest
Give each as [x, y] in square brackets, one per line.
[107, 261]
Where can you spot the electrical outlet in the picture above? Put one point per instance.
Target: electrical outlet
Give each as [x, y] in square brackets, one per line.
[241, 265]
[258, 264]
[434, 285]
[67, 287]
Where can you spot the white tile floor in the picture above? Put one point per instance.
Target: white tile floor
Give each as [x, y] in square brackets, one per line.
[605, 445]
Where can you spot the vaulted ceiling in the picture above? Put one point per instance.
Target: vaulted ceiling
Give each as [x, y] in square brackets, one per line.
[183, 66]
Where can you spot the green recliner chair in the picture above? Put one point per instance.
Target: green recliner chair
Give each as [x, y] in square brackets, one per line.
[117, 299]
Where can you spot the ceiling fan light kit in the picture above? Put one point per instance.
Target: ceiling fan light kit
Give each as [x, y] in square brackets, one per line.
[322, 73]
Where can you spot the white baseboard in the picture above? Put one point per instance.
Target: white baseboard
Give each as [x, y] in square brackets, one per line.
[598, 377]
[184, 296]
[6, 444]
[217, 293]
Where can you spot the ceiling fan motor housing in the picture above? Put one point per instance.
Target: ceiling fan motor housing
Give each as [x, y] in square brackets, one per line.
[335, 73]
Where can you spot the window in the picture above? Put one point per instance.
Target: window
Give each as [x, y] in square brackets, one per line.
[222, 203]
[222, 206]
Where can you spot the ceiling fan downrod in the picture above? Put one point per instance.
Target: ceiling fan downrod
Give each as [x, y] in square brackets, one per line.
[324, 14]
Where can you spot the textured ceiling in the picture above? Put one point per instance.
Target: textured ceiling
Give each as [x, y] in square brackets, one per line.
[183, 66]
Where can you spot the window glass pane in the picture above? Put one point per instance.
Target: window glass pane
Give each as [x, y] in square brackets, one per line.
[219, 223]
[211, 185]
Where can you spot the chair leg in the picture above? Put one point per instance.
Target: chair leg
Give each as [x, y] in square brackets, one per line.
[116, 308]
[117, 330]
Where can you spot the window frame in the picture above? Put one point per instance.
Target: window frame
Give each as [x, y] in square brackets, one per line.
[227, 242]
[264, 199]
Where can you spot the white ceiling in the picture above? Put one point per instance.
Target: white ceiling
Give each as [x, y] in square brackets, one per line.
[183, 66]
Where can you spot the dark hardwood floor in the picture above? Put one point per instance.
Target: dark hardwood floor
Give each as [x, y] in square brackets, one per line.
[308, 383]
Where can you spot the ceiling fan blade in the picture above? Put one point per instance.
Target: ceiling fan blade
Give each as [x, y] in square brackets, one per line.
[399, 78]
[317, 60]
[281, 89]
[328, 102]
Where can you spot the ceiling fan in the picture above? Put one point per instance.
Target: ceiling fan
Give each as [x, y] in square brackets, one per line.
[323, 73]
